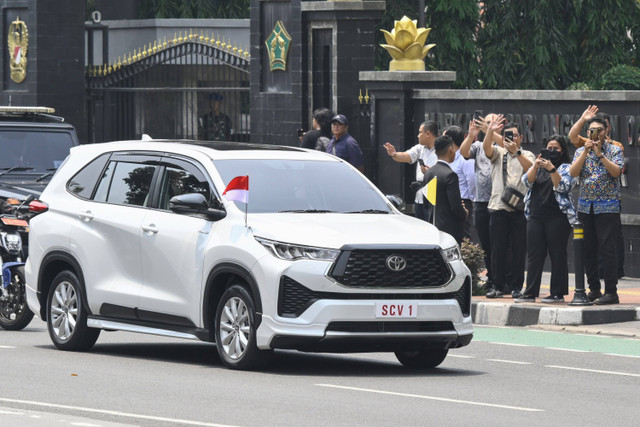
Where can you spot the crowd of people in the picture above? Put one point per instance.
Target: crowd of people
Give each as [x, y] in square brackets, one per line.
[521, 204]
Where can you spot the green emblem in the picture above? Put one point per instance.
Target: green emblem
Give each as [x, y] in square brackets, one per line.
[278, 45]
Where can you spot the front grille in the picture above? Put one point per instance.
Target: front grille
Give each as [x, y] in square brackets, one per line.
[367, 268]
[463, 296]
[294, 298]
[376, 327]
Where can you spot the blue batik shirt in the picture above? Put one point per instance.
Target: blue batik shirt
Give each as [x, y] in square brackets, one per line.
[562, 193]
[598, 188]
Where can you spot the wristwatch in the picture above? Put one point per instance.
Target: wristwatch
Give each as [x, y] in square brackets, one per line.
[552, 170]
[518, 153]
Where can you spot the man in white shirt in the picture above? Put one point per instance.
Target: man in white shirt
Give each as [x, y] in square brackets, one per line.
[465, 169]
[424, 154]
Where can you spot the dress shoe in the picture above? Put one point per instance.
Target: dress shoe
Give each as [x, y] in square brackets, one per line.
[516, 294]
[553, 298]
[594, 295]
[494, 293]
[608, 298]
[525, 298]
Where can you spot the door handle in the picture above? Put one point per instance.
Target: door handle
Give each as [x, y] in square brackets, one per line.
[150, 229]
[86, 216]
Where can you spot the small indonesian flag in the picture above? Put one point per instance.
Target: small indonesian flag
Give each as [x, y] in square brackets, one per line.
[17, 54]
[238, 189]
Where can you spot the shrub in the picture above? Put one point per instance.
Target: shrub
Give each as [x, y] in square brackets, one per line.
[473, 257]
[621, 77]
[579, 86]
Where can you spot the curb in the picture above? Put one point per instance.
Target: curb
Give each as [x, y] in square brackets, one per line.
[509, 314]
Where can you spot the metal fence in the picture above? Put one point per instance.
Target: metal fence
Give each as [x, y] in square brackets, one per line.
[188, 88]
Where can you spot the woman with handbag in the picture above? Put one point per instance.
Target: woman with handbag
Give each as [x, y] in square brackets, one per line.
[550, 215]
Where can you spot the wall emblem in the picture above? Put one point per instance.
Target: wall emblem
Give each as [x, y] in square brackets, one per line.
[18, 41]
[278, 45]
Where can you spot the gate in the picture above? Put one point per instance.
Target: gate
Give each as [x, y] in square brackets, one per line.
[191, 87]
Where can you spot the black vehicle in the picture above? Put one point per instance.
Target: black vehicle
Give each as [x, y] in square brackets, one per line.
[33, 144]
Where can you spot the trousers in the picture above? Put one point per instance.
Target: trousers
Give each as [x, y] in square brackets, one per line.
[600, 237]
[508, 249]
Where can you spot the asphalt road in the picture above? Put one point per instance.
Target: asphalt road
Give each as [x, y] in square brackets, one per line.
[506, 376]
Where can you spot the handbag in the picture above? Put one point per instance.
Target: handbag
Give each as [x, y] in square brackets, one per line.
[510, 196]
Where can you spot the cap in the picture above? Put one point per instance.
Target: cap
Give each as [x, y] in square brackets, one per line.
[340, 118]
[214, 96]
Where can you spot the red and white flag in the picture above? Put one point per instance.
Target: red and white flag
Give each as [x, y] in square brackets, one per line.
[238, 189]
[17, 54]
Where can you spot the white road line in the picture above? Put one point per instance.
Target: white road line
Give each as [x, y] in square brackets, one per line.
[515, 362]
[6, 346]
[509, 343]
[567, 349]
[460, 356]
[440, 399]
[623, 355]
[626, 374]
[116, 413]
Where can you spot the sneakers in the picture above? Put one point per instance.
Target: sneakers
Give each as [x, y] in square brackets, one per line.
[516, 294]
[553, 298]
[494, 293]
[608, 298]
[525, 298]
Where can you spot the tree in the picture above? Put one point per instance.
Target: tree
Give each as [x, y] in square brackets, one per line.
[194, 9]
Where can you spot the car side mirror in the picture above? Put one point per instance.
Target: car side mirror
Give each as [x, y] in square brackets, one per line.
[395, 200]
[195, 203]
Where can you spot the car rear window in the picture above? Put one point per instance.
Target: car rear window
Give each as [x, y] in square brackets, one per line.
[40, 151]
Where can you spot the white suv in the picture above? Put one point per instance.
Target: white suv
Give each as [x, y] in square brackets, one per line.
[139, 237]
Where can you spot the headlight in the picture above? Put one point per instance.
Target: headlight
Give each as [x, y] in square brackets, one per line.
[12, 242]
[292, 252]
[451, 254]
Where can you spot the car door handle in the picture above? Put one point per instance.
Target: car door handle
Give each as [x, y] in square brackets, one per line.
[151, 229]
[86, 216]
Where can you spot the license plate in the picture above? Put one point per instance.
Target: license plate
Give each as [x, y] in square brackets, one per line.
[396, 309]
[15, 222]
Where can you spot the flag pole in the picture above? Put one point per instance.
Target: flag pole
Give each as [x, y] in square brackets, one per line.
[246, 208]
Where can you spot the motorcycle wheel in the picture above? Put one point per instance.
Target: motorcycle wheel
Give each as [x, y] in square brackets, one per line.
[14, 313]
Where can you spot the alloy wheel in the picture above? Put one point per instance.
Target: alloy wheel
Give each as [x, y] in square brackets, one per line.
[235, 328]
[64, 310]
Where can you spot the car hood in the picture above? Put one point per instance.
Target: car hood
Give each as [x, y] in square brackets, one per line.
[332, 230]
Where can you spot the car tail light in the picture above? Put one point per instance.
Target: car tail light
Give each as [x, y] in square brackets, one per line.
[37, 207]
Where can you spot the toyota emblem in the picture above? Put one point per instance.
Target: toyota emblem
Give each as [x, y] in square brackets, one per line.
[396, 263]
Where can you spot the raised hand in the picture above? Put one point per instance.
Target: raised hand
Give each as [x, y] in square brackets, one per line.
[589, 113]
[391, 150]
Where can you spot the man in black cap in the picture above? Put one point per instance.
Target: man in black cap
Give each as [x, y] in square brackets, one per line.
[343, 145]
[215, 125]
[450, 213]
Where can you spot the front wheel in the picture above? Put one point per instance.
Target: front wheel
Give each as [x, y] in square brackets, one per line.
[67, 316]
[14, 312]
[427, 358]
[235, 331]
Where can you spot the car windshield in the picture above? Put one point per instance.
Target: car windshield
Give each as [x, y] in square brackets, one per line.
[303, 186]
[37, 151]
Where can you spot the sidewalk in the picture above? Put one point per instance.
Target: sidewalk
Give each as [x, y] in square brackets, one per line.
[619, 319]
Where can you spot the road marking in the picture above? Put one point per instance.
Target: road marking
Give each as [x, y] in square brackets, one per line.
[515, 362]
[626, 374]
[440, 399]
[622, 355]
[460, 356]
[511, 344]
[116, 413]
[6, 346]
[567, 349]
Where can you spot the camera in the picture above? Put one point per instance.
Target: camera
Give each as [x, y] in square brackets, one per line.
[508, 134]
[300, 132]
[421, 162]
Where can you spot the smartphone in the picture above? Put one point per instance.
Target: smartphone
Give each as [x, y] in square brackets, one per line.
[508, 134]
[421, 162]
[300, 132]
[477, 114]
[545, 154]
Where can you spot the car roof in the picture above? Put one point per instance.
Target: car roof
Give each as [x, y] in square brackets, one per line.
[216, 150]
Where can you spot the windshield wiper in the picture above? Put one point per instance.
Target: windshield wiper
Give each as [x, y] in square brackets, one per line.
[371, 211]
[307, 211]
[15, 168]
[46, 175]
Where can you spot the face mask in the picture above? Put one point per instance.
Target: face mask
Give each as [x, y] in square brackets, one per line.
[554, 157]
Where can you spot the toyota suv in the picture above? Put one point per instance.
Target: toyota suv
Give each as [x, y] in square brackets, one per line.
[151, 237]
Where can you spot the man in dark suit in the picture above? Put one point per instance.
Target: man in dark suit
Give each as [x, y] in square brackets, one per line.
[450, 213]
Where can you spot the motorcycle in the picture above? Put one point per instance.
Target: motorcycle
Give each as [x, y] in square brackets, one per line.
[14, 312]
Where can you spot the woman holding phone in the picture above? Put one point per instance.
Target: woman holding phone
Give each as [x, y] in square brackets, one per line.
[550, 215]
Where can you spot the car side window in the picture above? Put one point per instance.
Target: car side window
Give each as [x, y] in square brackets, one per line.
[83, 182]
[182, 179]
[125, 183]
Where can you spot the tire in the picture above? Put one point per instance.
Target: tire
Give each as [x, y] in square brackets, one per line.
[15, 314]
[67, 316]
[235, 331]
[427, 358]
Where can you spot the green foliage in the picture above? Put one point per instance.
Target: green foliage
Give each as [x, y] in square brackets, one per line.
[621, 77]
[453, 25]
[194, 9]
[578, 86]
[473, 257]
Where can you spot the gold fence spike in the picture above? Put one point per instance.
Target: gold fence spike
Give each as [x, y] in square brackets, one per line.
[144, 52]
[366, 96]
[206, 37]
[201, 38]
